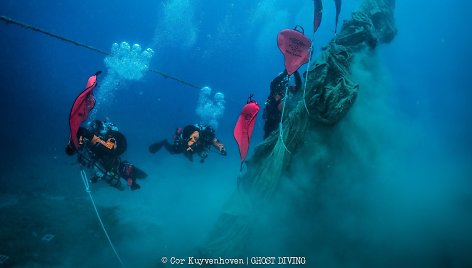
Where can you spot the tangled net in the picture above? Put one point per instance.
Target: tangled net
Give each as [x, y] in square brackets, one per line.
[329, 95]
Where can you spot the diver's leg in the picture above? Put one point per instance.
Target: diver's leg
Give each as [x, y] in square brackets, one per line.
[126, 169]
[129, 172]
[155, 147]
[272, 119]
[171, 148]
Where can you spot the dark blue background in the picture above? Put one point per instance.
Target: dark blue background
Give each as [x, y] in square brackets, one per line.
[234, 51]
[41, 76]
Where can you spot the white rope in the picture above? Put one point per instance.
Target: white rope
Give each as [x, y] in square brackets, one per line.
[87, 189]
[306, 77]
[281, 138]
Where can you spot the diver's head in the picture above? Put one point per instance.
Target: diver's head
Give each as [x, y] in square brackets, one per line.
[109, 125]
[98, 127]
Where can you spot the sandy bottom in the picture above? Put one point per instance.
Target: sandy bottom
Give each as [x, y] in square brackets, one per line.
[48, 219]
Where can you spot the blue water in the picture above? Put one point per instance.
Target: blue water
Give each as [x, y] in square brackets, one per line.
[231, 47]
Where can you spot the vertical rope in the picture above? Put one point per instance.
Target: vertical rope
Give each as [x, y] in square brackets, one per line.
[306, 77]
[87, 189]
[281, 138]
[308, 67]
[8, 20]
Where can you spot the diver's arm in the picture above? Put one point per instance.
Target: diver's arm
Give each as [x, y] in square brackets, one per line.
[108, 146]
[220, 146]
[277, 80]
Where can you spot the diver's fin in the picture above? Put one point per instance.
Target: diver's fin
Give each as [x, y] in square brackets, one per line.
[138, 173]
[155, 147]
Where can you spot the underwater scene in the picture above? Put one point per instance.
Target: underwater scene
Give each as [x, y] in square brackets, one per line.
[206, 133]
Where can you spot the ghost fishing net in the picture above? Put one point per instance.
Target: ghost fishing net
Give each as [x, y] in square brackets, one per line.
[329, 95]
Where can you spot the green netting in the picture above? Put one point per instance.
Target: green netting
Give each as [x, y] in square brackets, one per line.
[329, 95]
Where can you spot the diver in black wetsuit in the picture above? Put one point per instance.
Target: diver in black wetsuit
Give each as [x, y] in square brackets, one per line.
[276, 99]
[189, 140]
[101, 146]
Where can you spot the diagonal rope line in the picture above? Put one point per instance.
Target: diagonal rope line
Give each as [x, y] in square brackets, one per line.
[8, 20]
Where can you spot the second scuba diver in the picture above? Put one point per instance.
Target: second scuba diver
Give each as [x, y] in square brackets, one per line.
[190, 140]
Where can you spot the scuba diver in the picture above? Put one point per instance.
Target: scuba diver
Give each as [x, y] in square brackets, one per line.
[190, 140]
[101, 146]
[275, 102]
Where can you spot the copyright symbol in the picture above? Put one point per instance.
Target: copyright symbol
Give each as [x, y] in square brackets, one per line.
[164, 260]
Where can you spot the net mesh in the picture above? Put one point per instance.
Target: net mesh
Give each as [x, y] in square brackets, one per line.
[330, 93]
